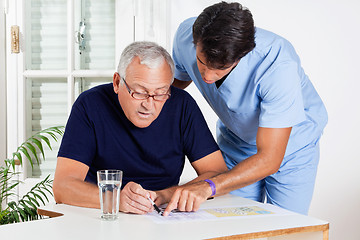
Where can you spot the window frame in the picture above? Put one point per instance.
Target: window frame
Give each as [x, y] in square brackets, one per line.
[16, 76]
[130, 11]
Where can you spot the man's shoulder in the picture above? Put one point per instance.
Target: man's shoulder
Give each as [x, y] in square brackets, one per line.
[96, 92]
[188, 22]
[185, 28]
[180, 94]
[267, 41]
[180, 101]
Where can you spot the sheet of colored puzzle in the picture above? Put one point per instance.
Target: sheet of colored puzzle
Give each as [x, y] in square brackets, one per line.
[237, 211]
[216, 213]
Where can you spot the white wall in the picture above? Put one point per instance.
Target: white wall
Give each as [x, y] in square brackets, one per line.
[2, 87]
[326, 35]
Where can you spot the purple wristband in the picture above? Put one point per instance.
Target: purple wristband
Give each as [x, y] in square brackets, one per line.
[212, 186]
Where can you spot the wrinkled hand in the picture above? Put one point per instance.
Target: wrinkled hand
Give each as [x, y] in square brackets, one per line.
[189, 198]
[134, 199]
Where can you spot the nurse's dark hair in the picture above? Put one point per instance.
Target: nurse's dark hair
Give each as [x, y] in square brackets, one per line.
[225, 32]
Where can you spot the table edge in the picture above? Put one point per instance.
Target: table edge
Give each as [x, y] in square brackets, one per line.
[272, 233]
[48, 213]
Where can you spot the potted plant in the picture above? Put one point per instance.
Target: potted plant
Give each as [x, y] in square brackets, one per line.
[25, 209]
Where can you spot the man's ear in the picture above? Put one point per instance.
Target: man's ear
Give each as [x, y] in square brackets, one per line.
[116, 82]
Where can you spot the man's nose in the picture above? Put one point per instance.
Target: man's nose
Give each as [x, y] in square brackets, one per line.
[148, 103]
[209, 74]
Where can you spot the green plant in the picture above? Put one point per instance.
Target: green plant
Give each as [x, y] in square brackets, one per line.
[26, 208]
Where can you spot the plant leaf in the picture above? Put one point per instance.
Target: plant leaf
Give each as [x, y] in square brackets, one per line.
[47, 189]
[33, 200]
[11, 187]
[26, 153]
[38, 197]
[39, 145]
[26, 208]
[30, 203]
[39, 191]
[22, 214]
[33, 150]
[18, 155]
[46, 140]
[15, 216]
[53, 136]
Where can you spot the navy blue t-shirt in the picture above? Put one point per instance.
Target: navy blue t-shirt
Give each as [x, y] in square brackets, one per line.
[99, 135]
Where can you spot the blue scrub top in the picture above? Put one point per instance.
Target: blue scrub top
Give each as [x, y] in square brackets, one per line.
[268, 88]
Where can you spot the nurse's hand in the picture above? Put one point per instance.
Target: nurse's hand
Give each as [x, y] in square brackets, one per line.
[164, 196]
[134, 199]
[189, 197]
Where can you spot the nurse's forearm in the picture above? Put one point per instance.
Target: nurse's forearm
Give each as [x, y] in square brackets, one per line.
[271, 146]
[247, 172]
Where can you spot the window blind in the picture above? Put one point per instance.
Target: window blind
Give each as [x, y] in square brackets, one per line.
[46, 41]
[46, 34]
[47, 108]
[46, 47]
[100, 35]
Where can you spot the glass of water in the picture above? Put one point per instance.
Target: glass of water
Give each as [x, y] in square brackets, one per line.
[109, 182]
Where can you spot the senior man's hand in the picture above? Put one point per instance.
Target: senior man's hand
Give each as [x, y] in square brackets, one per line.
[134, 199]
[189, 197]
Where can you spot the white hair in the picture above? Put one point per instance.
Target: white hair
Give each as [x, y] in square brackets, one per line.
[151, 54]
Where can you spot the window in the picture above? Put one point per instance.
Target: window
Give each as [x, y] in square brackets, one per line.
[69, 46]
[61, 48]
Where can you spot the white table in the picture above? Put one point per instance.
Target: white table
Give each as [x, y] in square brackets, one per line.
[85, 223]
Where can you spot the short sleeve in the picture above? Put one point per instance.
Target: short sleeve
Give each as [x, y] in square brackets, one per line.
[79, 142]
[198, 140]
[179, 43]
[282, 104]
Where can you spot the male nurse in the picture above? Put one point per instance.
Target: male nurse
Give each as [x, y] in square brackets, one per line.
[270, 116]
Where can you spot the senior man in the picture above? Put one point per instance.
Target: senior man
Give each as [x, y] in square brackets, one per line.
[139, 124]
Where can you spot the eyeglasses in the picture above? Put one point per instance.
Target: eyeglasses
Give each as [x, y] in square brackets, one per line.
[143, 96]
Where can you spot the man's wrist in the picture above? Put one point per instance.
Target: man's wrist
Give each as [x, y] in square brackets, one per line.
[212, 186]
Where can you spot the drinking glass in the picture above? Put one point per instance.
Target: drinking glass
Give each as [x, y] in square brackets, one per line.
[109, 182]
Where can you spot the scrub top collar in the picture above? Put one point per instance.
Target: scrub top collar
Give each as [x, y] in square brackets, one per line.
[219, 82]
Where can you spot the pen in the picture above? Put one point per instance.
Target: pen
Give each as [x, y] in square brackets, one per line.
[156, 207]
